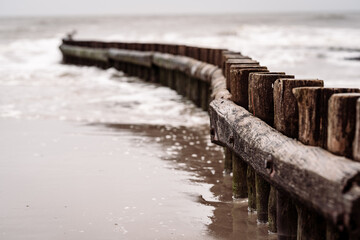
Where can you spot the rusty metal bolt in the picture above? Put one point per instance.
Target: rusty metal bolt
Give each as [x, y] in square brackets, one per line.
[269, 164]
[212, 131]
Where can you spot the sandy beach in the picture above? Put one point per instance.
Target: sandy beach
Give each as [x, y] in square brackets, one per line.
[64, 180]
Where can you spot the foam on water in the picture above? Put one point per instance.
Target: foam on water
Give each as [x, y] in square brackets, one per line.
[34, 84]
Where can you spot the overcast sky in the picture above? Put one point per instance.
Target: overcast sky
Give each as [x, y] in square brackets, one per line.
[96, 7]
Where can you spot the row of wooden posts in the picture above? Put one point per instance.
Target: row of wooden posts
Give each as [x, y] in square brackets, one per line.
[291, 144]
[302, 109]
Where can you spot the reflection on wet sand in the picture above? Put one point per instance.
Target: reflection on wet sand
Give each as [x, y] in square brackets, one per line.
[190, 150]
[110, 181]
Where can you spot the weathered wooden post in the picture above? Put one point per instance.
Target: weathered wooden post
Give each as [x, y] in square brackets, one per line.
[239, 169]
[182, 50]
[203, 54]
[211, 56]
[341, 123]
[310, 224]
[239, 82]
[239, 85]
[227, 55]
[356, 144]
[313, 113]
[313, 127]
[169, 78]
[286, 117]
[228, 165]
[251, 187]
[204, 95]
[194, 90]
[231, 62]
[341, 138]
[228, 61]
[219, 57]
[261, 104]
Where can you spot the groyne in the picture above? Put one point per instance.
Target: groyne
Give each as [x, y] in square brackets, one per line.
[292, 145]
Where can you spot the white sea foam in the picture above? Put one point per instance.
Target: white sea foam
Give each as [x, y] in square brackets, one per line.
[34, 84]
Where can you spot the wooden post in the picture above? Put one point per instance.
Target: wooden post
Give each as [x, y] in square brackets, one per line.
[310, 224]
[313, 124]
[262, 197]
[261, 103]
[204, 95]
[155, 74]
[250, 180]
[286, 217]
[170, 79]
[179, 83]
[286, 117]
[272, 210]
[261, 94]
[233, 62]
[340, 138]
[240, 168]
[203, 54]
[239, 177]
[356, 144]
[227, 56]
[219, 53]
[194, 90]
[313, 113]
[341, 123]
[286, 121]
[227, 161]
[162, 76]
[239, 82]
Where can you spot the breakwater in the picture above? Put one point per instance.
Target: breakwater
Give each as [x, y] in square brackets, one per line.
[291, 144]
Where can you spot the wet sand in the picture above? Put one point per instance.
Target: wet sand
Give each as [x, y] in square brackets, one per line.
[65, 180]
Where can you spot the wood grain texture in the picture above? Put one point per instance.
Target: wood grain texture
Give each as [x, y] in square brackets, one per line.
[85, 52]
[310, 225]
[319, 179]
[250, 181]
[286, 121]
[286, 217]
[261, 94]
[227, 161]
[227, 56]
[356, 144]
[262, 188]
[239, 170]
[341, 123]
[239, 82]
[272, 210]
[286, 114]
[313, 113]
[231, 62]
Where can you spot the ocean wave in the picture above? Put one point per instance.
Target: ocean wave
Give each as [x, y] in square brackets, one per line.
[35, 85]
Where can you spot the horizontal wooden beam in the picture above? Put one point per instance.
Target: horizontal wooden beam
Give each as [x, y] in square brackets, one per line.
[322, 181]
[135, 57]
[194, 68]
[98, 54]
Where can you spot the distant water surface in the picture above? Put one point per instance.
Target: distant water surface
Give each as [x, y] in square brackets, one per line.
[93, 154]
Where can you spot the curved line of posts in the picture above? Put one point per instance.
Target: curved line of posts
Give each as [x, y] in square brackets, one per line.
[292, 145]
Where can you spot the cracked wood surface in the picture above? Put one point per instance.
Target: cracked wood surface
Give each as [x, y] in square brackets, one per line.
[319, 179]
